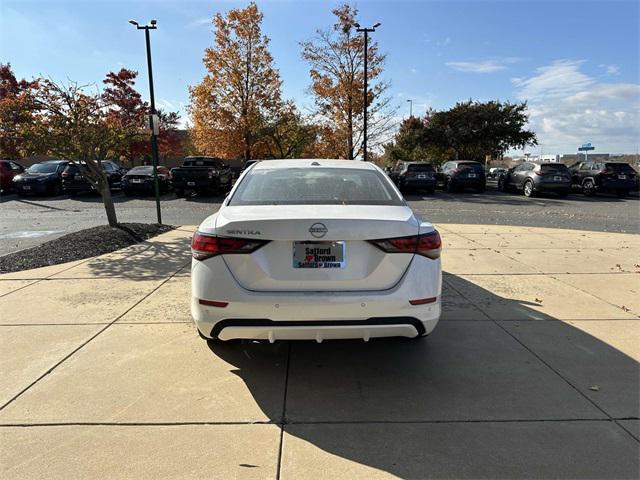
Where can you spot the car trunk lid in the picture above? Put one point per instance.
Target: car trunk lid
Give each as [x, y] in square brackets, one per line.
[289, 227]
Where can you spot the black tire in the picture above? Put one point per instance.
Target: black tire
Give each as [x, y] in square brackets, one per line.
[56, 190]
[588, 188]
[431, 191]
[527, 189]
[480, 189]
[127, 192]
[179, 192]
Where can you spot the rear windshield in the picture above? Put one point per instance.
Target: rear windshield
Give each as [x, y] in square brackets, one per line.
[420, 167]
[472, 165]
[620, 167]
[200, 162]
[315, 186]
[555, 168]
[141, 170]
[43, 168]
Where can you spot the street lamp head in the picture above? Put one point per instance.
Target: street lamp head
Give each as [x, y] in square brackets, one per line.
[133, 22]
[377, 25]
[357, 25]
[153, 22]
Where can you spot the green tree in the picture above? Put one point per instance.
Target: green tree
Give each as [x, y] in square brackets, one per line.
[289, 135]
[471, 130]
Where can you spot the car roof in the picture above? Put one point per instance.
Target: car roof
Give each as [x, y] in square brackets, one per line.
[54, 161]
[313, 163]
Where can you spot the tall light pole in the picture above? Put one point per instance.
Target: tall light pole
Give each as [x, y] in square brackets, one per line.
[366, 31]
[153, 121]
[410, 108]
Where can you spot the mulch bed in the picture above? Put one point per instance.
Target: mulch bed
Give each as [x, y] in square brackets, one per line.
[83, 244]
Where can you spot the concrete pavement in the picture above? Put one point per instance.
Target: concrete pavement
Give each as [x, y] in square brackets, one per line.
[533, 372]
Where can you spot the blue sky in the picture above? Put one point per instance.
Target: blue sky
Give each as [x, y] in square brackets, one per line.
[575, 62]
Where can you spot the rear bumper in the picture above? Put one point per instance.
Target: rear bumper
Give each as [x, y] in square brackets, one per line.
[73, 186]
[34, 188]
[469, 182]
[419, 183]
[552, 186]
[616, 185]
[195, 184]
[264, 329]
[315, 315]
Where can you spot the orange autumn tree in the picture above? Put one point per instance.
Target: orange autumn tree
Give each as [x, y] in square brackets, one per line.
[336, 58]
[240, 90]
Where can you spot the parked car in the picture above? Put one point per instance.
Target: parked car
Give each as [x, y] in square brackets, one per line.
[201, 174]
[414, 176]
[43, 178]
[73, 182]
[531, 178]
[614, 177]
[461, 174]
[140, 179]
[8, 170]
[317, 250]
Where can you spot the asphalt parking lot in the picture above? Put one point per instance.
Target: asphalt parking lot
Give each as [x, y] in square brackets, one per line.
[28, 221]
[531, 373]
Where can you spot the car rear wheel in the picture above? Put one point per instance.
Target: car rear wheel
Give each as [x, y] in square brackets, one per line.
[179, 192]
[588, 188]
[528, 189]
[621, 193]
[480, 189]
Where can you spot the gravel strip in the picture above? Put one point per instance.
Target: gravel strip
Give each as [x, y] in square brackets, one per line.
[83, 244]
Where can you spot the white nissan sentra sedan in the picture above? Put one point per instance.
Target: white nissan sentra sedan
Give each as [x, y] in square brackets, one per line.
[317, 250]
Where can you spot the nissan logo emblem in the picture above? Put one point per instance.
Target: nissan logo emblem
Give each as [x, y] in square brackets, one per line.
[318, 230]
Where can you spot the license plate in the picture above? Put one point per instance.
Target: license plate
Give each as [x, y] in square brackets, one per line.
[557, 179]
[319, 255]
[472, 175]
[191, 184]
[422, 176]
[622, 177]
[26, 187]
[136, 180]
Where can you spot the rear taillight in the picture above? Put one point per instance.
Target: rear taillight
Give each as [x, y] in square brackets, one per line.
[65, 174]
[207, 246]
[427, 245]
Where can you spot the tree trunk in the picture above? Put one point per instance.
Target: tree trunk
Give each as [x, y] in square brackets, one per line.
[109, 207]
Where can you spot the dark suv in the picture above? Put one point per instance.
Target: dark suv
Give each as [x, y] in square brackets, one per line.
[414, 176]
[531, 178]
[74, 182]
[614, 177]
[460, 174]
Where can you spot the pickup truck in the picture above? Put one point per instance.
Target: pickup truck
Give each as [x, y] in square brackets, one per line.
[201, 174]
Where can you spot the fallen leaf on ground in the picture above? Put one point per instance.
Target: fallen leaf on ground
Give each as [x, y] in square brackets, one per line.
[595, 388]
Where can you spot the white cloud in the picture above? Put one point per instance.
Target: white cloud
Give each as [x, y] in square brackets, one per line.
[443, 43]
[413, 70]
[610, 69]
[482, 66]
[569, 107]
